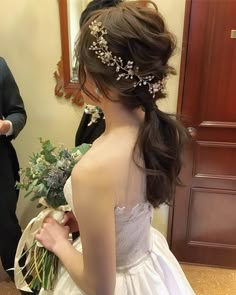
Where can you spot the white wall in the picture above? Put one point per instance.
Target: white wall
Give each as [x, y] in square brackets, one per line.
[30, 42]
[173, 11]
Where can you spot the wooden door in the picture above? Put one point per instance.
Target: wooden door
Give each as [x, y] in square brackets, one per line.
[203, 219]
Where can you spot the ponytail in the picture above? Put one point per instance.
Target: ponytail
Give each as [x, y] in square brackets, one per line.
[161, 140]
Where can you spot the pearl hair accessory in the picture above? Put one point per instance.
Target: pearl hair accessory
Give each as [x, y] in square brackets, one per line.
[128, 71]
[97, 92]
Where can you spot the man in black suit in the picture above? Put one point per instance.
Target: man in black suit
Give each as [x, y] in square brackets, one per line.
[12, 121]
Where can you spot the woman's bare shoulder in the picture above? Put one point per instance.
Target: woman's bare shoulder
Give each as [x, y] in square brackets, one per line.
[94, 176]
[102, 163]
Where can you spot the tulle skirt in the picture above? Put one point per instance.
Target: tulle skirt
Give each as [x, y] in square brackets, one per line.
[158, 273]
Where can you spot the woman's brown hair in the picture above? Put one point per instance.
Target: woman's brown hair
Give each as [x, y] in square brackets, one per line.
[140, 35]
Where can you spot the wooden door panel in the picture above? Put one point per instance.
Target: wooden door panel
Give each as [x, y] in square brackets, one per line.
[210, 66]
[228, 131]
[211, 240]
[218, 205]
[204, 213]
[211, 183]
[210, 163]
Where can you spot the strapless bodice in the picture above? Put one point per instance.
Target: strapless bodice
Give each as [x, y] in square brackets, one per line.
[132, 228]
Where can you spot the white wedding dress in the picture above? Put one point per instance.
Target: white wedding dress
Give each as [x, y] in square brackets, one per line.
[145, 265]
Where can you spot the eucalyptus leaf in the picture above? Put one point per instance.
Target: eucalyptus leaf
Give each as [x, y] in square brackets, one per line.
[83, 148]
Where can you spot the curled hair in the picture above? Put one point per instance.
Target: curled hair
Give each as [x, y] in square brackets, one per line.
[139, 34]
[96, 5]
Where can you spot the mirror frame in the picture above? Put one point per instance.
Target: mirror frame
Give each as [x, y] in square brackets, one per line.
[64, 86]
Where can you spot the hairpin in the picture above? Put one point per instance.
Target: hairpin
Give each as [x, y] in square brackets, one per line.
[125, 71]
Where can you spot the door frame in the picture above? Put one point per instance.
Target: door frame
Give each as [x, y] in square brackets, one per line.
[187, 18]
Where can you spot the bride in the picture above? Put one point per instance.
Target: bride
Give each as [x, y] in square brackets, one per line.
[133, 167]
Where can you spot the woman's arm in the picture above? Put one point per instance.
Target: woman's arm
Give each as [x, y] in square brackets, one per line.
[94, 209]
[94, 271]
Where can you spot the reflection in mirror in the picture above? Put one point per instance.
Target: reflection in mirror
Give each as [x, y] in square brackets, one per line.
[74, 8]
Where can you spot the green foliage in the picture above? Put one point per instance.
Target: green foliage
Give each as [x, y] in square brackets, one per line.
[48, 171]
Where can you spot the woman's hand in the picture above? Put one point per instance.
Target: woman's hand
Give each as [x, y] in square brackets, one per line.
[52, 234]
[71, 221]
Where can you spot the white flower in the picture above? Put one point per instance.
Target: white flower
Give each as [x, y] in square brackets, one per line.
[95, 113]
[77, 155]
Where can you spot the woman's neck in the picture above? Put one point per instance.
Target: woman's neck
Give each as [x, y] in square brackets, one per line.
[117, 117]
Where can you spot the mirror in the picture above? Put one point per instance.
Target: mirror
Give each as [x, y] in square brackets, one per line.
[74, 10]
[66, 76]
[66, 85]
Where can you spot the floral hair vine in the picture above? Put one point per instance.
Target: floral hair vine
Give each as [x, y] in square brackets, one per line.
[128, 71]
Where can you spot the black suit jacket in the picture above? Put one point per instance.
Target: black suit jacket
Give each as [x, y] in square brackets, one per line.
[87, 134]
[12, 109]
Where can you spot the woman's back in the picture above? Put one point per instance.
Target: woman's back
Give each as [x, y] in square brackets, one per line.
[114, 155]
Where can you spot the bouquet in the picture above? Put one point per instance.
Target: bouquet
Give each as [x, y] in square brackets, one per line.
[44, 180]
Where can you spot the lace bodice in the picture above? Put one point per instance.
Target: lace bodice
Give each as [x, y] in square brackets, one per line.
[132, 231]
